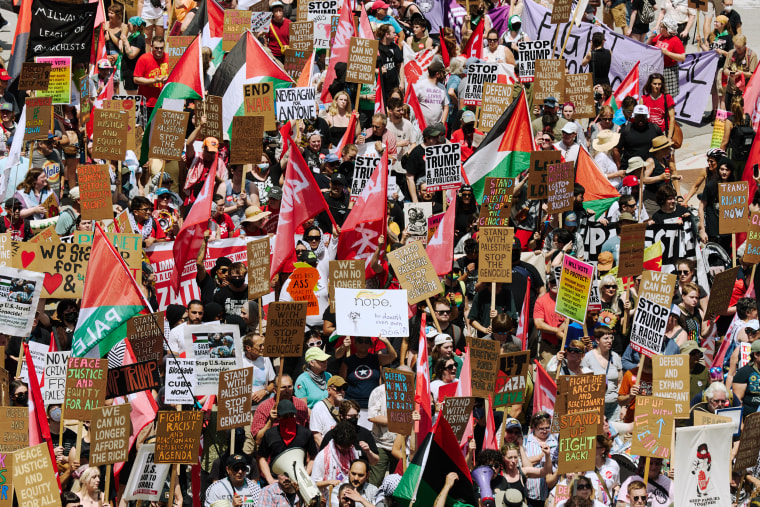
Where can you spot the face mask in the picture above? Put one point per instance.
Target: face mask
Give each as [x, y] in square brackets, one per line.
[597, 96]
[71, 317]
[55, 415]
[468, 128]
[728, 8]
[22, 399]
[353, 420]
[237, 282]
[263, 166]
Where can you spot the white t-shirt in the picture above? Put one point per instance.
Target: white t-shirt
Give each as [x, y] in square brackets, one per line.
[263, 374]
[377, 407]
[321, 420]
[610, 472]
[432, 99]
[655, 495]
[607, 165]
[177, 339]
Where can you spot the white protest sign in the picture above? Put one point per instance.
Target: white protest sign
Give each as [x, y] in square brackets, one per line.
[19, 294]
[38, 351]
[320, 12]
[215, 348]
[296, 103]
[443, 163]
[648, 329]
[529, 52]
[146, 482]
[702, 475]
[365, 164]
[260, 21]
[178, 388]
[54, 389]
[366, 312]
[478, 73]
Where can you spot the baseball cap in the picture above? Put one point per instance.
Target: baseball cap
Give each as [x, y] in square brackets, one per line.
[275, 193]
[641, 109]
[755, 347]
[316, 354]
[436, 66]
[512, 423]
[442, 338]
[551, 102]
[74, 193]
[103, 63]
[670, 25]
[604, 261]
[276, 3]
[331, 158]
[211, 144]
[220, 262]
[163, 191]
[340, 179]
[430, 332]
[379, 4]
[431, 131]
[337, 381]
[6, 106]
[236, 459]
[468, 117]
[286, 407]
[630, 181]
[4, 76]
[752, 325]
[570, 128]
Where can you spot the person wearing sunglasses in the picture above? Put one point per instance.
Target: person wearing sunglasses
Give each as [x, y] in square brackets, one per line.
[716, 397]
[538, 439]
[658, 491]
[497, 53]
[142, 221]
[602, 360]
[325, 414]
[445, 372]
[443, 349]
[236, 488]
[584, 489]
[545, 141]
[686, 271]
[569, 360]
[446, 311]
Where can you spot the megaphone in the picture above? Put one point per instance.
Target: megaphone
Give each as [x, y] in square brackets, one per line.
[290, 463]
[482, 476]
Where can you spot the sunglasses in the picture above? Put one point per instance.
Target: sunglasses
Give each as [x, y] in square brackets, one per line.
[583, 486]
[443, 312]
[574, 350]
[451, 367]
[546, 139]
[313, 238]
[683, 272]
[606, 118]
[363, 340]
[316, 344]
[609, 287]
[224, 270]
[492, 40]
[639, 498]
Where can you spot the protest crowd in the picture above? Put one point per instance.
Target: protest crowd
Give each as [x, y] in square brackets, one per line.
[339, 253]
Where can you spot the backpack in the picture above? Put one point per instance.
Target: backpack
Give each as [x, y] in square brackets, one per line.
[741, 138]
[646, 15]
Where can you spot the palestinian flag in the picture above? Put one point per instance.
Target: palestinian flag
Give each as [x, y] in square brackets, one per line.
[247, 63]
[106, 307]
[437, 457]
[600, 194]
[184, 83]
[505, 151]
[209, 24]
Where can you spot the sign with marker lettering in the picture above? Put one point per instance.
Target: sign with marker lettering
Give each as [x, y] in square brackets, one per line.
[657, 287]
[495, 254]
[631, 249]
[511, 379]
[484, 361]
[415, 272]
[34, 76]
[178, 436]
[39, 117]
[234, 400]
[146, 335]
[54, 389]
[302, 36]
[110, 431]
[285, 329]
[457, 410]
[653, 427]
[14, 427]
[167, 142]
[577, 441]
[733, 207]
[296, 103]
[539, 162]
[86, 383]
[399, 401]
[258, 100]
[212, 108]
[95, 191]
[133, 378]
[720, 292]
[549, 80]
[560, 179]
[346, 274]
[236, 22]
[258, 268]
[176, 45]
[361, 61]
[443, 164]
[648, 328]
[574, 287]
[496, 98]
[670, 376]
[245, 139]
[579, 89]
[180, 381]
[752, 250]
[109, 134]
[34, 479]
[497, 202]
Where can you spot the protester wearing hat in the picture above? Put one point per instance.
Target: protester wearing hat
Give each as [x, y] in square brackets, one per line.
[69, 212]
[337, 199]
[698, 373]
[5, 95]
[514, 34]
[378, 15]
[415, 163]
[749, 333]
[568, 146]
[605, 141]
[132, 46]
[465, 136]
[7, 125]
[279, 32]
[549, 119]
[443, 348]
[714, 397]
[324, 414]
[166, 213]
[636, 137]
[200, 165]
[673, 52]
[311, 385]
[431, 94]
[746, 384]
[659, 172]
[100, 80]
[235, 488]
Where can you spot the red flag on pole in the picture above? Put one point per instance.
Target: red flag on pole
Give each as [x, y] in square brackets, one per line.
[474, 46]
[544, 392]
[422, 387]
[440, 249]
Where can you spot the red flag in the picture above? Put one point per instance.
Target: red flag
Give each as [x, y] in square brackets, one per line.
[523, 324]
[628, 86]
[365, 28]
[464, 388]
[440, 249]
[348, 135]
[366, 221]
[379, 99]
[339, 49]
[444, 50]
[751, 168]
[544, 392]
[422, 387]
[20, 39]
[751, 102]
[489, 439]
[411, 99]
[190, 237]
[301, 200]
[474, 46]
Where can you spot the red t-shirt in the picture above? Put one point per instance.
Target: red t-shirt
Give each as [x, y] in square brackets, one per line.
[148, 67]
[458, 137]
[672, 44]
[545, 309]
[225, 224]
[657, 109]
[645, 389]
[283, 33]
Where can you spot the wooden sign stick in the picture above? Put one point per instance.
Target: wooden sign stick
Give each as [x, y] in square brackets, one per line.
[733, 249]
[21, 360]
[564, 327]
[108, 483]
[406, 458]
[626, 316]
[79, 440]
[260, 317]
[569, 29]
[232, 440]
[175, 474]
[279, 382]
[493, 297]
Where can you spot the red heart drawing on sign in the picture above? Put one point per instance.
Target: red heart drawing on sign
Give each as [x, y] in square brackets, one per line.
[27, 258]
[52, 282]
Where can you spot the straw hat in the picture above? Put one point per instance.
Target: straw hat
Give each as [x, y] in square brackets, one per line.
[606, 140]
[659, 143]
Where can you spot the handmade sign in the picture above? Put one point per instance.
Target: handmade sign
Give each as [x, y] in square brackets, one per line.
[86, 381]
[495, 254]
[702, 418]
[215, 348]
[511, 379]
[578, 393]
[6, 251]
[670, 379]
[749, 445]
[260, 20]
[39, 117]
[631, 250]
[699, 476]
[657, 287]
[146, 335]
[577, 442]
[214, 126]
[752, 248]
[320, 12]
[479, 73]
[136, 103]
[95, 192]
[258, 267]
[14, 427]
[653, 427]
[457, 411]
[6, 479]
[361, 61]
[698, 5]
[47, 234]
[497, 202]
[399, 401]
[443, 165]
[130, 106]
[648, 328]
[236, 22]
[579, 89]
[132, 378]
[366, 312]
[415, 272]
[720, 292]
[110, 430]
[528, 52]
[167, 141]
[258, 100]
[484, 362]
[19, 294]
[244, 129]
[301, 286]
[178, 436]
[285, 329]
[496, 98]
[549, 79]
[302, 36]
[180, 381]
[54, 389]
[109, 134]
[34, 76]
[560, 181]
[561, 11]
[733, 207]
[146, 482]
[296, 103]
[574, 287]
[295, 62]
[539, 162]
[34, 479]
[234, 400]
[176, 45]
[59, 84]
[347, 274]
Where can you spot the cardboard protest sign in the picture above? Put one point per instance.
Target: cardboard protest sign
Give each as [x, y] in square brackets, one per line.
[109, 134]
[236, 22]
[320, 12]
[415, 272]
[631, 250]
[212, 108]
[648, 328]
[347, 274]
[698, 5]
[6, 251]
[19, 294]
[433, 222]
[47, 234]
[34, 479]
[561, 11]
[578, 393]
[497, 202]
[86, 381]
[749, 445]
[176, 45]
[34, 76]
[301, 286]
[457, 411]
[539, 162]
[5, 378]
[215, 348]
[85, 107]
[579, 89]
[54, 389]
[670, 379]
[247, 138]
[752, 249]
[702, 418]
[180, 381]
[51, 204]
[657, 287]
[234, 400]
[577, 441]
[285, 329]
[361, 61]
[495, 254]
[59, 83]
[6, 479]
[529, 52]
[14, 427]
[302, 36]
[653, 427]
[399, 401]
[178, 436]
[484, 362]
[167, 142]
[733, 207]
[130, 106]
[39, 118]
[549, 79]
[417, 214]
[720, 292]
[146, 335]
[296, 103]
[258, 100]
[496, 98]
[367, 312]
[135, 104]
[443, 165]
[699, 464]
[560, 181]
[146, 482]
[574, 287]
[295, 61]
[258, 268]
[478, 74]
[95, 192]
[260, 20]
[132, 378]
[110, 430]
[511, 379]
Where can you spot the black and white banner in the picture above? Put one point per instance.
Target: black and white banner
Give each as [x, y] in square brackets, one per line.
[61, 29]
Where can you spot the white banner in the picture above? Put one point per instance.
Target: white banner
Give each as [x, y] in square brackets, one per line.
[215, 348]
[296, 103]
[54, 389]
[695, 79]
[366, 312]
[180, 380]
[702, 466]
[19, 294]
[38, 351]
[146, 482]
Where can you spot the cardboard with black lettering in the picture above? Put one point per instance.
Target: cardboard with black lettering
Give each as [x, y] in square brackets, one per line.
[54, 389]
[579, 89]
[549, 80]
[648, 328]
[234, 400]
[296, 103]
[631, 249]
[720, 292]
[479, 73]
[495, 254]
[34, 76]
[14, 427]
[457, 411]
[529, 52]
[752, 249]
[178, 436]
[258, 100]
[361, 61]
[285, 329]
[109, 138]
[167, 142]
[539, 162]
[246, 139]
[415, 272]
[212, 108]
[258, 268]
[346, 274]
[86, 384]
[399, 401]
[511, 379]
[133, 378]
[484, 364]
[146, 335]
[110, 430]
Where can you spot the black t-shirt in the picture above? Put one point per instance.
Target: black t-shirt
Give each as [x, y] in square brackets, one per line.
[635, 143]
[723, 42]
[734, 19]
[128, 64]
[472, 278]
[519, 285]
[312, 160]
[660, 217]
[415, 162]
[601, 59]
[389, 58]
[362, 435]
[232, 300]
[207, 287]
[750, 376]
[710, 200]
[272, 445]
[338, 209]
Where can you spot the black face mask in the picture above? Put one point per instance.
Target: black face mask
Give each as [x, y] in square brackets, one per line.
[468, 128]
[353, 420]
[22, 399]
[597, 96]
[71, 317]
[237, 282]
